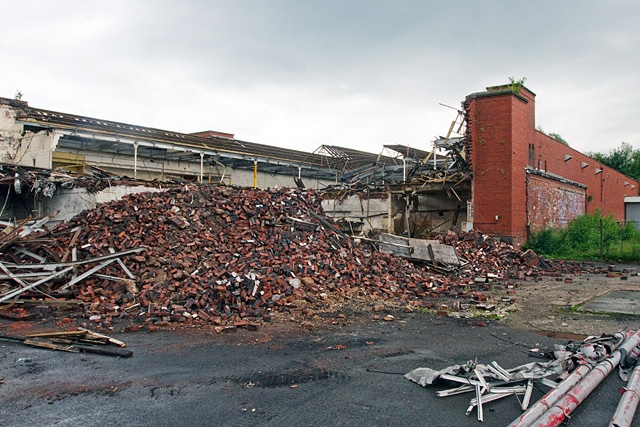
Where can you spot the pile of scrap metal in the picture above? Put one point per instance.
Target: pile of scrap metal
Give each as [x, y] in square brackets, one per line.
[577, 369]
[397, 163]
[40, 182]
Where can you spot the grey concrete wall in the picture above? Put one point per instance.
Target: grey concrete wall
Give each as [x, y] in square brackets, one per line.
[427, 213]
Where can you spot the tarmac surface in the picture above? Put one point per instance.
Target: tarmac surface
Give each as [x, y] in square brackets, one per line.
[618, 301]
[347, 372]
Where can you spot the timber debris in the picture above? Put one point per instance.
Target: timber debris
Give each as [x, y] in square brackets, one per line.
[78, 341]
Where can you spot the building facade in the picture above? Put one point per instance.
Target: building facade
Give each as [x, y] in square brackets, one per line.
[524, 180]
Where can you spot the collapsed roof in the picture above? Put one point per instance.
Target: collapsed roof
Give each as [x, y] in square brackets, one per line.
[395, 164]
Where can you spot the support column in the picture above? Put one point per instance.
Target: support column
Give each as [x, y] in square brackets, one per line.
[389, 214]
[201, 165]
[404, 170]
[135, 160]
[255, 174]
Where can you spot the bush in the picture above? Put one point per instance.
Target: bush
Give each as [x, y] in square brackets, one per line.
[546, 242]
[581, 239]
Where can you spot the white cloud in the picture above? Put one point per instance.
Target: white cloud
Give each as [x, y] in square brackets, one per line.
[299, 74]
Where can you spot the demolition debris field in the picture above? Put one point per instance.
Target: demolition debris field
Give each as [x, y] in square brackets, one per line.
[203, 255]
[247, 307]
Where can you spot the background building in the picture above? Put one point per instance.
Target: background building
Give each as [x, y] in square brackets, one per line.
[525, 181]
[492, 172]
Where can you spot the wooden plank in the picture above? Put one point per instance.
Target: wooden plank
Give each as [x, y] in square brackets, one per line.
[443, 253]
[76, 234]
[108, 338]
[418, 249]
[326, 224]
[116, 352]
[396, 245]
[51, 346]
[57, 334]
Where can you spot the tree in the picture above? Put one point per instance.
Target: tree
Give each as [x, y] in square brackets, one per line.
[558, 138]
[624, 159]
[553, 135]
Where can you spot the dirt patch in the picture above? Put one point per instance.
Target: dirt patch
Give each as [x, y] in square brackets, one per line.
[551, 305]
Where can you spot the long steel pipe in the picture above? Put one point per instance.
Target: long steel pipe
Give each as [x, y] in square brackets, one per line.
[628, 402]
[570, 401]
[536, 410]
[541, 406]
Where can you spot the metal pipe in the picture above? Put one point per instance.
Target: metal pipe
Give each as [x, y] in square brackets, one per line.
[570, 401]
[628, 402]
[548, 400]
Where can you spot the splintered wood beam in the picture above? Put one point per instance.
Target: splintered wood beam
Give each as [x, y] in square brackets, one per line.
[76, 234]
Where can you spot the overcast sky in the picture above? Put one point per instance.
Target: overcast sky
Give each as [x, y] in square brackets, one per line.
[299, 74]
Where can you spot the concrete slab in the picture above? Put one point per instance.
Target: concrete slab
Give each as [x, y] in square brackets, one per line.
[621, 301]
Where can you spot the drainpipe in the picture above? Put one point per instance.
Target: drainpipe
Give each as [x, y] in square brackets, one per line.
[548, 400]
[135, 160]
[299, 172]
[255, 174]
[629, 401]
[569, 402]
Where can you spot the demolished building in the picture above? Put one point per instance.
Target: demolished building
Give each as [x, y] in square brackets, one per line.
[493, 172]
[496, 173]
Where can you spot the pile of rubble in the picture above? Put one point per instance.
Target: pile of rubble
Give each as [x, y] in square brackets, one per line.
[219, 254]
[205, 254]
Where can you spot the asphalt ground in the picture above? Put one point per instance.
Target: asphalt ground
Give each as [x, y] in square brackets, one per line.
[348, 372]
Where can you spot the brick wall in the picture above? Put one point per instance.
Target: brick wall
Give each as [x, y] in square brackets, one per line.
[605, 190]
[543, 209]
[504, 142]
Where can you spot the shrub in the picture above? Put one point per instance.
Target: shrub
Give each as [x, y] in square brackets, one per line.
[581, 239]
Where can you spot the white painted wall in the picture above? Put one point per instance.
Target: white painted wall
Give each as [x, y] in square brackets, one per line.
[10, 134]
[72, 201]
[434, 212]
[372, 212]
